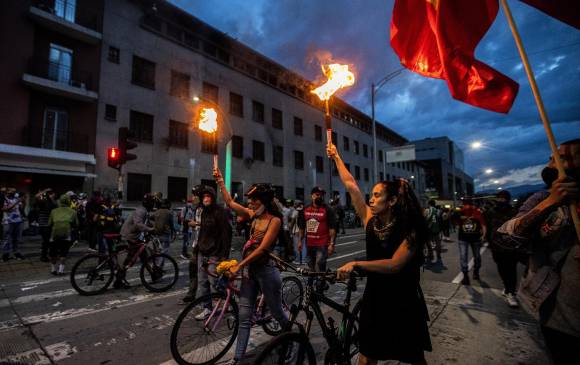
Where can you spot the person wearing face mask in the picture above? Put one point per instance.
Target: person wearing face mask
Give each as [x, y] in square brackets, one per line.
[317, 222]
[506, 261]
[213, 243]
[393, 316]
[258, 271]
[543, 228]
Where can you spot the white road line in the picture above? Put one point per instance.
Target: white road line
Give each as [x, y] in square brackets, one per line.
[346, 243]
[346, 255]
[459, 276]
[350, 235]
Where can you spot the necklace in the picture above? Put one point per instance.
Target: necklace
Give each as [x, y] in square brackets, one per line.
[384, 231]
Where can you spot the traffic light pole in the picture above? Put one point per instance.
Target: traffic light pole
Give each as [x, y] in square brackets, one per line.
[120, 183]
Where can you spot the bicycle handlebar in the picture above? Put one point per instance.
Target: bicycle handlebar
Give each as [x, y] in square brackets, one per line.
[326, 275]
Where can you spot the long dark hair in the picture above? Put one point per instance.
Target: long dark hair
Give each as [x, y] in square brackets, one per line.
[408, 213]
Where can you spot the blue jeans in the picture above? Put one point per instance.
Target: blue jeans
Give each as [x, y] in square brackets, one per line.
[299, 256]
[11, 237]
[317, 258]
[206, 284]
[464, 255]
[267, 279]
[186, 241]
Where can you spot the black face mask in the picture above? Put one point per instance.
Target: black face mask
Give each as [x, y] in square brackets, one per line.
[550, 174]
[318, 201]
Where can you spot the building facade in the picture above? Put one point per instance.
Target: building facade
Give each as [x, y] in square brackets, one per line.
[443, 162]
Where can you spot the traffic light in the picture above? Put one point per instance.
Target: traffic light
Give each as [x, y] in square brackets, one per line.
[125, 144]
[113, 157]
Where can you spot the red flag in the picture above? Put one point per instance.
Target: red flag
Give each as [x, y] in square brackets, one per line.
[567, 11]
[437, 38]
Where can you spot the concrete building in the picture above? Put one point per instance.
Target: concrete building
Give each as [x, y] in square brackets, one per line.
[79, 70]
[443, 161]
[49, 92]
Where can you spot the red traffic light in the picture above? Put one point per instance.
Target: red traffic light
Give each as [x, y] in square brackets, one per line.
[113, 157]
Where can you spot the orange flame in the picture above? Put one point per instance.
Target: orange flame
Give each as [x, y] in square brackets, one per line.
[338, 77]
[208, 120]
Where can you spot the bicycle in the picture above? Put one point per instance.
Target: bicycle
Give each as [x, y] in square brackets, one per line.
[295, 347]
[198, 342]
[94, 273]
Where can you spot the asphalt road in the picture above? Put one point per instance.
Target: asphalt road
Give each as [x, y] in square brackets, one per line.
[44, 315]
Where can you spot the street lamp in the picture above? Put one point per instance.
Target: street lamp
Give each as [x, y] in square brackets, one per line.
[488, 171]
[374, 90]
[475, 145]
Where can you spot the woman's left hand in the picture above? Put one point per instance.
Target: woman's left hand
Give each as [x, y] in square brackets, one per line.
[343, 273]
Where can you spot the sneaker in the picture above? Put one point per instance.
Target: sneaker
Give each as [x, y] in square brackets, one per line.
[18, 256]
[465, 280]
[121, 284]
[184, 256]
[511, 300]
[91, 249]
[203, 315]
[188, 299]
[232, 362]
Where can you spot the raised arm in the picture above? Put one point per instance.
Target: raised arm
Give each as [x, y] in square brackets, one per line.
[358, 200]
[239, 209]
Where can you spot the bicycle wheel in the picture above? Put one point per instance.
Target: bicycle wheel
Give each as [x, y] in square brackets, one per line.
[286, 349]
[199, 342]
[159, 272]
[92, 274]
[292, 293]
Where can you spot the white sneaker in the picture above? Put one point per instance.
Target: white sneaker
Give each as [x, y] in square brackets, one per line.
[203, 315]
[511, 300]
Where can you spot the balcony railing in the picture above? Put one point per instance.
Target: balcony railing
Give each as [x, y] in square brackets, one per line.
[60, 73]
[56, 140]
[69, 11]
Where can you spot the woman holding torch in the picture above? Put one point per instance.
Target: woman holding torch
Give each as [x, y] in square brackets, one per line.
[393, 316]
[258, 271]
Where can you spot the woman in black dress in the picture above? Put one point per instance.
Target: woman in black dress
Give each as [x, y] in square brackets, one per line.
[393, 316]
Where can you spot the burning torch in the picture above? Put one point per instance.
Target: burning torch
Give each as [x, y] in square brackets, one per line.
[338, 77]
[208, 124]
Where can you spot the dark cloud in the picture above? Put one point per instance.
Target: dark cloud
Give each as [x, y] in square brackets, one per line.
[289, 31]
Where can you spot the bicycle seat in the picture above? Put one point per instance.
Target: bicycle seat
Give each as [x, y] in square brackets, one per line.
[112, 235]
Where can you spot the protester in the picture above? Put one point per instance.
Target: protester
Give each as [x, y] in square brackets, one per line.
[214, 241]
[131, 231]
[12, 224]
[393, 316]
[299, 254]
[433, 218]
[45, 202]
[258, 271]
[108, 218]
[91, 211]
[339, 211]
[194, 226]
[445, 224]
[186, 215]
[544, 228]
[285, 244]
[317, 223]
[62, 221]
[163, 224]
[506, 260]
[471, 231]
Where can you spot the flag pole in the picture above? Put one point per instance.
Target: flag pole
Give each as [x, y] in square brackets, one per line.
[541, 109]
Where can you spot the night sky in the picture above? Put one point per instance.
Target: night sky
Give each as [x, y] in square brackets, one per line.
[291, 32]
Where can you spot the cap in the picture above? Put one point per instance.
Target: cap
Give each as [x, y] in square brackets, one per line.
[317, 189]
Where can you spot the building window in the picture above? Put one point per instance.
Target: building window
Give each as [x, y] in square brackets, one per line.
[299, 160]
[65, 9]
[365, 150]
[60, 64]
[176, 188]
[179, 84]
[236, 105]
[178, 133]
[258, 151]
[356, 147]
[317, 133]
[257, 112]
[237, 146]
[299, 194]
[210, 92]
[141, 125]
[278, 156]
[114, 55]
[366, 173]
[277, 121]
[137, 186]
[298, 126]
[381, 176]
[346, 143]
[143, 73]
[55, 130]
[111, 112]
[398, 165]
[380, 155]
[319, 164]
[357, 172]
